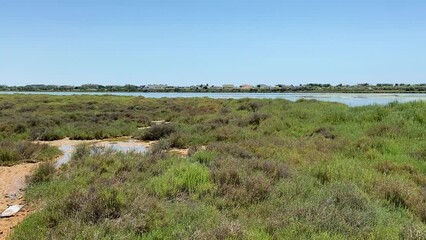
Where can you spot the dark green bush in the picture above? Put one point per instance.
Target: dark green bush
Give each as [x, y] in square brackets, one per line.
[322, 175]
[381, 130]
[258, 188]
[43, 173]
[20, 128]
[37, 133]
[419, 154]
[81, 151]
[178, 140]
[51, 134]
[8, 156]
[250, 106]
[232, 149]
[157, 132]
[413, 232]
[159, 147]
[395, 194]
[94, 205]
[272, 169]
[226, 176]
[324, 132]
[23, 151]
[256, 118]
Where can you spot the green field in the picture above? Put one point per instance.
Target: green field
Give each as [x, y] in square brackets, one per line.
[256, 169]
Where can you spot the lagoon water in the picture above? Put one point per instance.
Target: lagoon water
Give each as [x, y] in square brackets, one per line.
[351, 99]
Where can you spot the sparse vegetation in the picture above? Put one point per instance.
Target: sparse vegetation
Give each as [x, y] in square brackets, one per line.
[157, 132]
[13, 152]
[44, 173]
[257, 169]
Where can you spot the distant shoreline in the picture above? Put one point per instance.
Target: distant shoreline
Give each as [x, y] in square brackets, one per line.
[227, 88]
[231, 91]
[350, 99]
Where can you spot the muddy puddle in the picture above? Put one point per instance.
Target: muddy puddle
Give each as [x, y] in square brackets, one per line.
[68, 146]
[121, 146]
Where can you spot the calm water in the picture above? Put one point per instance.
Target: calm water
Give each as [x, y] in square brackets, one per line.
[351, 99]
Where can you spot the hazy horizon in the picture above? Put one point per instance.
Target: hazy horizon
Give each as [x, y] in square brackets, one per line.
[208, 84]
[214, 42]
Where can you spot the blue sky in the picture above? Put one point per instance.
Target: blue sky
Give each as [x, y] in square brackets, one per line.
[185, 42]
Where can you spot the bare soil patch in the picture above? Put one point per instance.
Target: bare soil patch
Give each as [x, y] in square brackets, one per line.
[124, 141]
[13, 183]
[183, 152]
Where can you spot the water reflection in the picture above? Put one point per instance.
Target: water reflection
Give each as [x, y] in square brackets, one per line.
[350, 99]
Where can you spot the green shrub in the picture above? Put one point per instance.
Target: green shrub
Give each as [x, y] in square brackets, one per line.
[324, 132]
[340, 209]
[101, 204]
[94, 205]
[413, 232]
[381, 130]
[386, 167]
[272, 169]
[229, 230]
[51, 134]
[256, 118]
[204, 157]
[258, 188]
[20, 128]
[8, 156]
[322, 175]
[43, 173]
[227, 133]
[36, 133]
[218, 122]
[156, 132]
[178, 140]
[81, 151]
[226, 176]
[160, 146]
[23, 151]
[419, 154]
[250, 106]
[182, 177]
[233, 149]
[394, 192]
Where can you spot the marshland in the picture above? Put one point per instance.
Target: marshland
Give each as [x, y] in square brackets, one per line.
[251, 168]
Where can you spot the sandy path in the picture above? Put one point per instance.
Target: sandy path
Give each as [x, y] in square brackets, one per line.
[124, 141]
[183, 152]
[66, 141]
[13, 182]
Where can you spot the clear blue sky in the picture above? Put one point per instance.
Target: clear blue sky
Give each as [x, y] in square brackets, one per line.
[185, 42]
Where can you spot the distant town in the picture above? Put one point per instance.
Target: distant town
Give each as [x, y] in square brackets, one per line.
[261, 88]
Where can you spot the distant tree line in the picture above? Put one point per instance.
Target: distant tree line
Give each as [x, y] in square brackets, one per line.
[311, 87]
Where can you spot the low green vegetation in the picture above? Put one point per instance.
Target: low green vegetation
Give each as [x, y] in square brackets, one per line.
[156, 132]
[256, 169]
[13, 152]
[43, 173]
